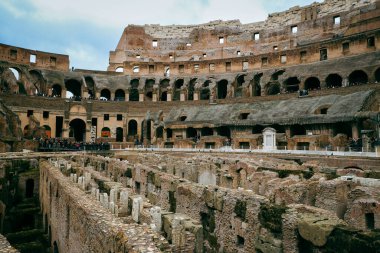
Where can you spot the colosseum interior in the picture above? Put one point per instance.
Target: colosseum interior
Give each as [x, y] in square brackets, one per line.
[218, 137]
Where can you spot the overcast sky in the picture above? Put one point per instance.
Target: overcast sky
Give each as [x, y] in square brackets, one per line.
[88, 29]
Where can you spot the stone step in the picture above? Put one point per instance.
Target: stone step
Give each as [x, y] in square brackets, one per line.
[26, 236]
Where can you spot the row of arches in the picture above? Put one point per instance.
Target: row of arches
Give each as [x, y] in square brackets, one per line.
[13, 80]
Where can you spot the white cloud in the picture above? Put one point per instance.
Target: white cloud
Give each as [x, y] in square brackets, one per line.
[119, 13]
[12, 8]
[85, 56]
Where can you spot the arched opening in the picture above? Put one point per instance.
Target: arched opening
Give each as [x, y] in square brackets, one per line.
[256, 87]
[164, 96]
[190, 91]
[132, 128]
[205, 91]
[334, 80]
[224, 131]
[312, 83]
[74, 87]
[38, 83]
[292, 84]
[134, 92]
[106, 132]
[29, 188]
[149, 89]
[358, 77]
[177, 89]
[298, 130]
[56, 90]
[206, 131]
[119, 95]
[377, 75]
[119, 134]
[16, 73]
[119, 70]
[222, 89]
[47, 131]
[90, 83]
[239, 86]
[272, 88]
[191, 133]
[164, 84]
[77, 129]
[160, 132]
[105, 94]
[167, 71]
[55, 247]
[149, 129]
[136, 69]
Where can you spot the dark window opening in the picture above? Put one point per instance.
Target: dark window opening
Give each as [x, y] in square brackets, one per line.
[45, 114]
[169, 133]
[182, 118]
[228, 66]
[358, 77]
[29, 189]
[222, 89]
[370, 220]
[58, 126]
[151, 69]
[206, 131]
[53, 61]
[244, 116]
[240, 241]
[119, 134]
[323, 54]
[264, 61]
[181, 68]
[312, 83]
[29, 113]
[138, 187]
[334, 80]
[324, 110]
[371, 41]
[210, 145]
[119, 117]
[106, 117]
[292, 84]
[346, 47]
[244, 145]
[13, 54]
[132, 128]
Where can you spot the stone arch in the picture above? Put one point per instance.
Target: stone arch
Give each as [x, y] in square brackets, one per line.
[191, 88]
[256, 87]
[106, 132]
[134, 91]
[377, 75]
[119, 95]
[358, 77]
[132, 127]
[149, 83]
[9, 83]
[334, 80]
[164, 84]
[272, 88]
[90, 83]
[312, 83]
[177, 89]
[292, 84]
[119, 69]
[205, 90]
[239, 85]
[74, 87]
[56, 90]
[105, 94]
[222, 89]
[26, 130]
[77, 129]
[47, 130]
[38, 84]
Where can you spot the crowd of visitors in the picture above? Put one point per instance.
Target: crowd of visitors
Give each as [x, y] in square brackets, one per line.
[60, 144]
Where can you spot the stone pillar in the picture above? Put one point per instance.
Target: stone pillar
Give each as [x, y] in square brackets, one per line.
[97, 94]
[112, 96]
[127, 96]
[196, 95]
[137, 206]
[141, 96]
[155, 212]
[355, 131]
[183, 95]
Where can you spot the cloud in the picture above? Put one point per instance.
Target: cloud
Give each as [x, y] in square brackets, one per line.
[119, 13]
[12, 8]
[85, 56]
